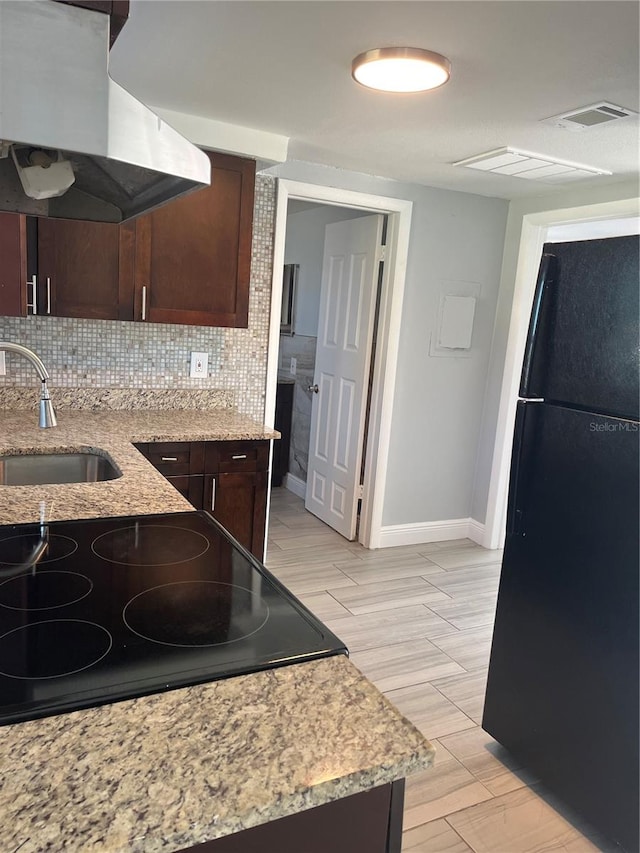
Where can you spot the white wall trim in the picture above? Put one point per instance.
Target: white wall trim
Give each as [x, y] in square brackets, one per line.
[386, 359]
[222, 136]
[477, 532]
[534, 228]
[295, 485]
[427, 531]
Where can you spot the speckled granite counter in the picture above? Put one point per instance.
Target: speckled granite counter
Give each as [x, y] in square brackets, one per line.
[172, 770]
[169, 771]
[141, 489]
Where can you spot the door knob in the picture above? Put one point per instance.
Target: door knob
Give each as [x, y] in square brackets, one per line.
[314, 388]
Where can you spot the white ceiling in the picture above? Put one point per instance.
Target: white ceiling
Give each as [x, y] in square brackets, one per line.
[284, 67]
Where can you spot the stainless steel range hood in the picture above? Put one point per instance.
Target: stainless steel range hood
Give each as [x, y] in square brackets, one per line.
[56, 95]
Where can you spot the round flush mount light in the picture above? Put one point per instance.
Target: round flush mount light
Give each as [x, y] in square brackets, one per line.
[401, 69]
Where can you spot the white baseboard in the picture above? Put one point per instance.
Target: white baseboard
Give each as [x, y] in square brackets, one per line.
[432, 531]
[295, 485]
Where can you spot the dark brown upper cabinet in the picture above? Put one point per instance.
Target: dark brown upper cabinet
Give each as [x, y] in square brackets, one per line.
[118, 11]
[13, 265]
[187, 262]
[85, 269]
[193, 256]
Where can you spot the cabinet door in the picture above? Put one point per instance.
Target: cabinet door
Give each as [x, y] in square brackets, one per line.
[283, 418]
[239, 502]
[85, 269]
[13, 265]
[368, 822]
[190, 487]
[193, 255]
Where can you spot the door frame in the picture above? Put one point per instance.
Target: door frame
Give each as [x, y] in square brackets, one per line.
[388, 336]
[532, 238]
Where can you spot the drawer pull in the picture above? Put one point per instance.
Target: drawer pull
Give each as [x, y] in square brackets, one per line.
[213, 494]
[168, 458]
[240, 456]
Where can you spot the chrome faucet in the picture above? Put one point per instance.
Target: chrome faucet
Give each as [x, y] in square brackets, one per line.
[47, 413]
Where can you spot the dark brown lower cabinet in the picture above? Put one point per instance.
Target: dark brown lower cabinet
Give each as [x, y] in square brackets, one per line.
[190, 487]
[370, 822]
[283, 420]
[227, 478]
[239, 502]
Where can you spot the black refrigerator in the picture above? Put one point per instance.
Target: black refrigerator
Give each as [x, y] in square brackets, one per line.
[562, 691]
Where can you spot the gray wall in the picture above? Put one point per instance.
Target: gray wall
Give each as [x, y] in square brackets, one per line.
[439, 401]
[573, 198]
[305, 246]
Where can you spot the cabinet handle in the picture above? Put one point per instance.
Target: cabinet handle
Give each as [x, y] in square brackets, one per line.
[240, 456]
[213, 494]
[48, 295]
[144, 302]
[168, 458]
[33, 281]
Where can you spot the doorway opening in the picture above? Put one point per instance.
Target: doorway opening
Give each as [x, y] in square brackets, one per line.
[302, 202]
[314, 297]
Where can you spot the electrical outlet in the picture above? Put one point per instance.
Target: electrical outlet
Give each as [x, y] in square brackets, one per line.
[199, 365]
[293, 366]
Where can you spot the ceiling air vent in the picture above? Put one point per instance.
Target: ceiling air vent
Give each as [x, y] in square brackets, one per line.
[591, 116]
[532, 167]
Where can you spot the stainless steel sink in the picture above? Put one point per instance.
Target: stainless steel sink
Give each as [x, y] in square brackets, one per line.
[37, 469]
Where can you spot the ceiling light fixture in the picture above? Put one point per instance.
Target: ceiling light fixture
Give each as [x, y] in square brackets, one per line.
[400, 69]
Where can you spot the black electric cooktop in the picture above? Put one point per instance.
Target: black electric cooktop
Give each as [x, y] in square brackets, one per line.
[106, 609]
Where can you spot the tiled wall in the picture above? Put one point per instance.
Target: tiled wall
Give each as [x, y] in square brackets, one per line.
[113, 354]
[303, 349]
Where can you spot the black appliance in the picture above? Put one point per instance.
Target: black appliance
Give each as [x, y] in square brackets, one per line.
[100, 610]
[562, 691]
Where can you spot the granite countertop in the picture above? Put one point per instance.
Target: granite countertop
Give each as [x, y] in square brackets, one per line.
[141, 489]
[172, 770]
[175, 769]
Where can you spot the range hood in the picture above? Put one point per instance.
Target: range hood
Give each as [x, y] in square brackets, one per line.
[56, 97]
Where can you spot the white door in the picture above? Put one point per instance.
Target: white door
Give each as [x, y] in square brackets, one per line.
[345, 330]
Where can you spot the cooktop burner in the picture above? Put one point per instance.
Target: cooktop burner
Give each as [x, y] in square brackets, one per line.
[195, 613]
[100, 610]
[52, 648]
[43, 590]
[19, 549]
[143, 544]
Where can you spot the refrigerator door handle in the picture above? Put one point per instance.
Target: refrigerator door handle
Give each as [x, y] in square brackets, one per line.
[544, 278]
[514, 512]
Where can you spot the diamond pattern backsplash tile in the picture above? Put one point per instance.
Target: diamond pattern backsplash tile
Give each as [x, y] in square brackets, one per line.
[114, 354]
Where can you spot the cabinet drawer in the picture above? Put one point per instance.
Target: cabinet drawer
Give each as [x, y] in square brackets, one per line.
[236, 456]
[175, 457]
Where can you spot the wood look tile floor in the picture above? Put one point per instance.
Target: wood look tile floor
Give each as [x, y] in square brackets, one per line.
[418, 623]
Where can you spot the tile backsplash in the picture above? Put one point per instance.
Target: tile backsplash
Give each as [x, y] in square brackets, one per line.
[113, 354]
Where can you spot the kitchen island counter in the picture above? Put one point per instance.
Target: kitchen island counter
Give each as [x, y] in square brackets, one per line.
[172, 770]
[141, 489]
